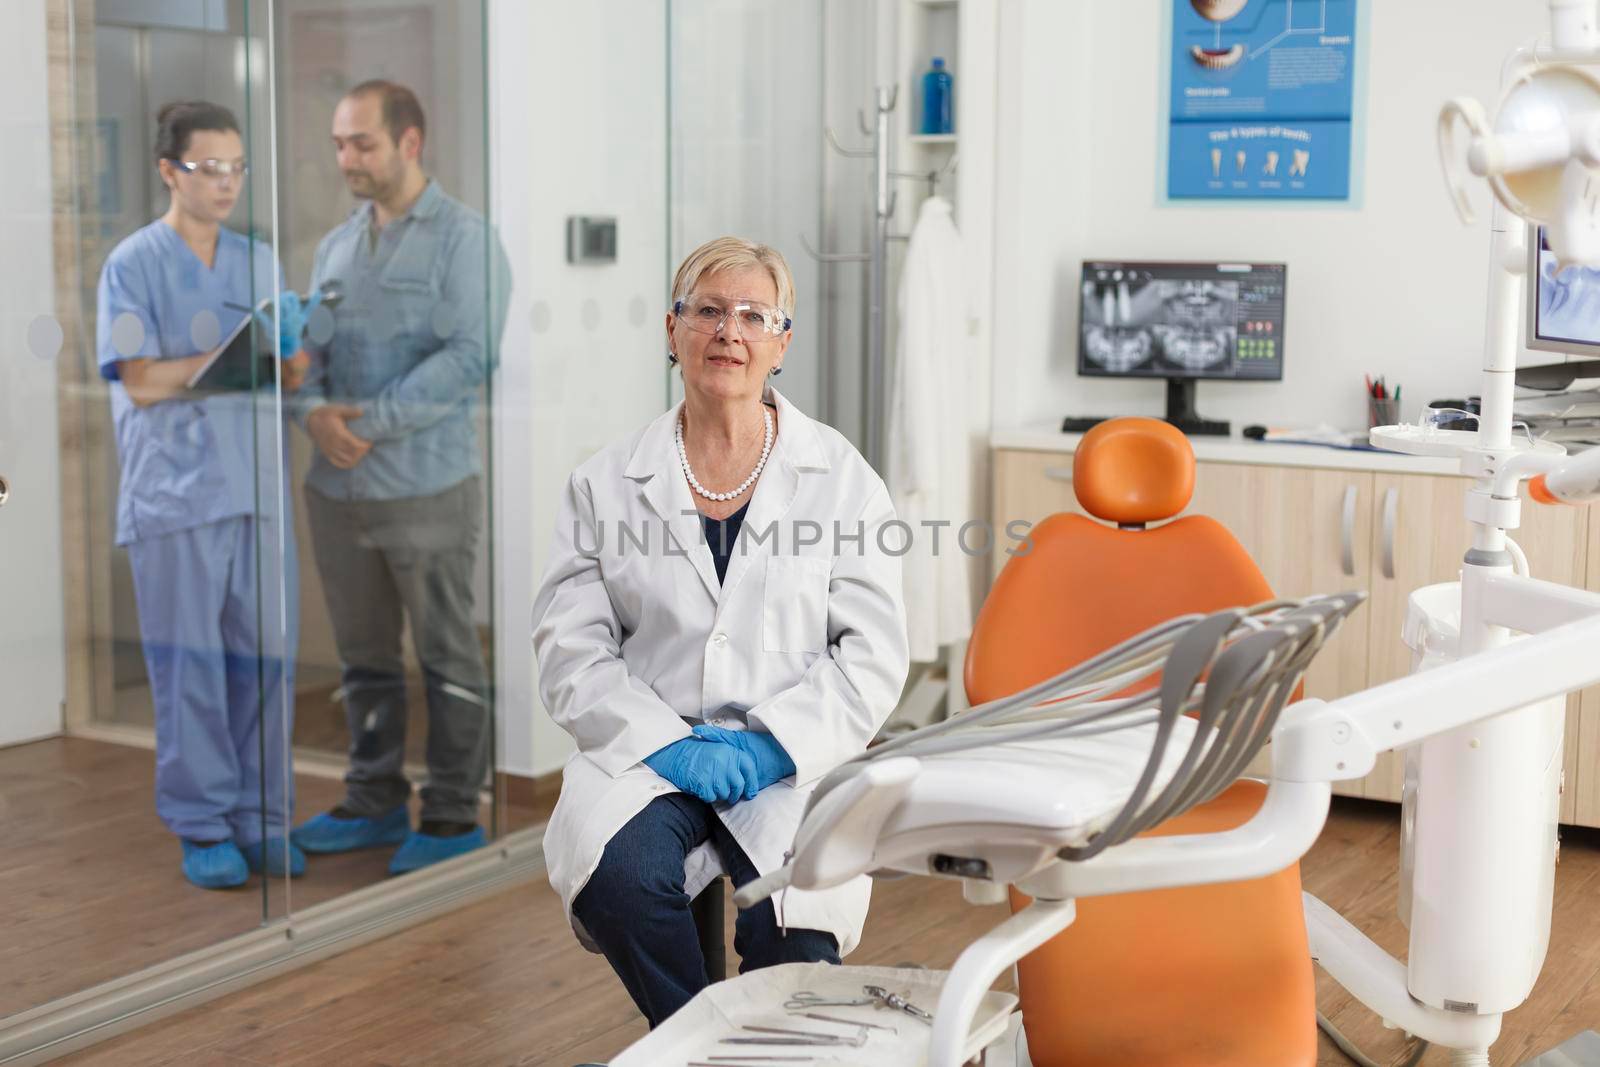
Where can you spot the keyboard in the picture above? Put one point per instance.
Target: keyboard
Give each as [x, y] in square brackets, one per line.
[1193, 427]
[1081, 423]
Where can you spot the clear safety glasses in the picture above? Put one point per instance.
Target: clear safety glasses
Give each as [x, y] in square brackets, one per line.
[216, 170]
[706, 313]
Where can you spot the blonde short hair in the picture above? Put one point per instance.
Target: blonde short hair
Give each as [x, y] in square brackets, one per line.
[734, 253]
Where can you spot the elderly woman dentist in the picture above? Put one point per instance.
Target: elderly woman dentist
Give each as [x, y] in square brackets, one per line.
[710, 679]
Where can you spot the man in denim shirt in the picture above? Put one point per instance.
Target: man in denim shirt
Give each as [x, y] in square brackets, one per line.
[394, 496]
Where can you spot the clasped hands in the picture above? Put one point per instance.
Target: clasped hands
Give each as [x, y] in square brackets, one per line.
[722, 766]
[329, 426]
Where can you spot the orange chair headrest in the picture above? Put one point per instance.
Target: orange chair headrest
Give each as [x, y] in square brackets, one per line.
[1133, 471]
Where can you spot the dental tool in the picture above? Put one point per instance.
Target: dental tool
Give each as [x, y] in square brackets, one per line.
[895, 1002]
[784, 1036]
[806, 999]
[845, 1022]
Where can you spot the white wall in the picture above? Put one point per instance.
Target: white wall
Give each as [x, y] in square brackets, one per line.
[746, 155]
[32, 637]
[1394, 285]
[575, 132]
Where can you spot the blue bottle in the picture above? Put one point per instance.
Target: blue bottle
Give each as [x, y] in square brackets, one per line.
[936, 108]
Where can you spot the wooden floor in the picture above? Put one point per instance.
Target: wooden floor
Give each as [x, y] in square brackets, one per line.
[503, 982]
[319, 716]
[91, 885]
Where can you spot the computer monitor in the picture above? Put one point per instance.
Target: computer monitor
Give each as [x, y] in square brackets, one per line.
[1563, 308]
[1183, 322]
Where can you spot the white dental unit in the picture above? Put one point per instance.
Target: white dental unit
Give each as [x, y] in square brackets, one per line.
[1067, 784]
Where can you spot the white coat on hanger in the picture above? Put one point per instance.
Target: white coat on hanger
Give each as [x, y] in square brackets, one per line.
[929, 456]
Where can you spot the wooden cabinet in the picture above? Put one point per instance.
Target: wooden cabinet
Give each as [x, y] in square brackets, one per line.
[1028, 486]
[1317, 530]
[1583, 751]
[1305, 528]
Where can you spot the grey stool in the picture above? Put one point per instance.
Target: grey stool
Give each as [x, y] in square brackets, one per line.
[707, 909]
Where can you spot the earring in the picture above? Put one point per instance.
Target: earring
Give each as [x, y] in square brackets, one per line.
[776, 371]
[672, 357]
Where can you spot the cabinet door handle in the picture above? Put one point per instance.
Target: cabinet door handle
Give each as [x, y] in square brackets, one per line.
[1059, 474]
[1391, 501]
[1347, 533]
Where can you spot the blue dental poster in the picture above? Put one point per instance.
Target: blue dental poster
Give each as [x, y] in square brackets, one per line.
[1263, 98]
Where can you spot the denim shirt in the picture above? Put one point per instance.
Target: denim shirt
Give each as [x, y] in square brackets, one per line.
[414, 341]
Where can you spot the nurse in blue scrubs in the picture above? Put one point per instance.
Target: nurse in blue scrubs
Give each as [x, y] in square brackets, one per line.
[202, 507]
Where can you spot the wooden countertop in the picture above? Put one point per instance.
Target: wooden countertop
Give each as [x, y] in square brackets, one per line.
[1040, 437]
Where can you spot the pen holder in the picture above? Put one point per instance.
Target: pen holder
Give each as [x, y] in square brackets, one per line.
[1384, 412]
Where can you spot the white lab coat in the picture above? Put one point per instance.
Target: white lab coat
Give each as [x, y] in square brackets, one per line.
[807, 642]
[929, 455]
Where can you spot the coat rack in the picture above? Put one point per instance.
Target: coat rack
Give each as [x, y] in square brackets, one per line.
[932, 177]
[876, 258]
[876, 255]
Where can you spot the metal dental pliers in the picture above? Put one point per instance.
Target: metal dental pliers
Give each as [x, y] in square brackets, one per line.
[805, 1000]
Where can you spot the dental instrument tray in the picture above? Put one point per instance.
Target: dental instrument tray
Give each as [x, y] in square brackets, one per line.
[1418, 440]
[749, 1013]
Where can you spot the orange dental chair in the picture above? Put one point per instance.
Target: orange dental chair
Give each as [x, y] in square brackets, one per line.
[1204, 976]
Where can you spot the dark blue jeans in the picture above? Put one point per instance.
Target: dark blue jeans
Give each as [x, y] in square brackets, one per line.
[636, 909]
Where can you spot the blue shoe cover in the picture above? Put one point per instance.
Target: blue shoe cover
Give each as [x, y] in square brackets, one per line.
[328, 833]
[218, 866]
[274, 858]
[422, 850]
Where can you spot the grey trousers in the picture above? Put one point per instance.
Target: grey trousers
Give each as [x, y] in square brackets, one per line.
[381, 561]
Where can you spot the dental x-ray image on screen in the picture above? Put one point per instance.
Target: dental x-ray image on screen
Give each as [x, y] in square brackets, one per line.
[1181, 320]
[1183, 326]
[1564, 311]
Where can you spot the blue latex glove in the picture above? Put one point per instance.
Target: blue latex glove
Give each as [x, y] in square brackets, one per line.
[292, 317]
[706, 770]
[772, 762]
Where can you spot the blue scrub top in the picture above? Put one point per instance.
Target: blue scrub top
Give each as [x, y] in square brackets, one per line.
[190, 460]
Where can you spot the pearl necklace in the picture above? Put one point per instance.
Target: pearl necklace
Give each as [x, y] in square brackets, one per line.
[766, 450]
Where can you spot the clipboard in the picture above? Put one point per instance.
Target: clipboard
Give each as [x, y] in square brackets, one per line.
[235, 365]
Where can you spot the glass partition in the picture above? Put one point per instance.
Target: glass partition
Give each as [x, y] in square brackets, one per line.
[250, 326]
[281, 595]
[381, 193]
[140, 809]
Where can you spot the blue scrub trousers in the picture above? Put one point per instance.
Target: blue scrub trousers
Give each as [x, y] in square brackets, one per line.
[219, 640]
